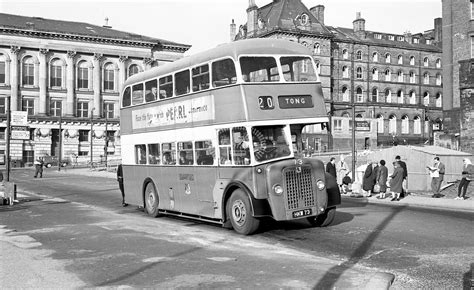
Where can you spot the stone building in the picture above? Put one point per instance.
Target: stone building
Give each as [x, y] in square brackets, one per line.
[68, 76]
[458, 74]
[393, 79]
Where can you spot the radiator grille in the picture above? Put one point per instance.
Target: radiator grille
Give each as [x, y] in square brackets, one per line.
[299, 188]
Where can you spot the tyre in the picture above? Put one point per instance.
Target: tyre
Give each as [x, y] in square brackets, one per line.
[48, 165]
[151, 200]
[239, 211]
[323, 219]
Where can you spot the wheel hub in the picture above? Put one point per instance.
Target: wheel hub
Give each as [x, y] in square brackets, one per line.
[238, 212]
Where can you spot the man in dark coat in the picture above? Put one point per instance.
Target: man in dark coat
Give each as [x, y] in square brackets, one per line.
[331, 167]
[403, 165]
[396, 181]
[368, 181]
[120, 182]
[381, 179]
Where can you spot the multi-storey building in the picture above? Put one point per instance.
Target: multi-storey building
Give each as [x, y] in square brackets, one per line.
[458, 73]
[68, 76]
[393, 80]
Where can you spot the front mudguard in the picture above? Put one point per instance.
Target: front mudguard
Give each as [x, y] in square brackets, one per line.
[333, 192]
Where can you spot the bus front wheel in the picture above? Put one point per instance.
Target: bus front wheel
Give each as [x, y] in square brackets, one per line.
[239, 212]
[151, 200]
[323, 219]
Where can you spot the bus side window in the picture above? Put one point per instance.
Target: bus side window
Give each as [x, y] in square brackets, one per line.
[240, 140]
[185, 153]
[223, 73]
[224, 147]
[140, 154]
[182, 82]
[205, 152]
[127, 97]
[200, 78]
[137, 94]
[151, 92]
[153, 153]
[169, 153]
[166, 87]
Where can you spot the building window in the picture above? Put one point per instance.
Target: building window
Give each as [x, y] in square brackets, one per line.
[416, 40]
[337, 124]
[392, 124]
[412, 98]
[429, 41]
[375, 74]
[375, 95]
[108, 110]
[412, 77]
[28, 72]
[472, 46]
[2, 69]
[438, 79]
[82, 109]
[438, 63]
[83, 75]
[378, 36]
[417, 125]
[425, 61]
[400, 59]
[380, 123]
[109, 77]
[345, 94]
[133, 69]
[28, 105]
[400, 97]
[405, 125]
[400, 38]
[439, 100]
[388, 58]
[426, 79]
[55, 108]
[359, 97]
[3, 105]
[375, 57]
[400, 77]
[426, 99]
[359, 55]
[359, 73]
[388, 75]
[412, 60]
[56, 74]
[317, 48]
[84, 135]
[388, 96]
[318, 68]
[345, 54]
[391, 37]
[345, 72]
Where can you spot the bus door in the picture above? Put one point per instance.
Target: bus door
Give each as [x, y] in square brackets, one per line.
[206, 176]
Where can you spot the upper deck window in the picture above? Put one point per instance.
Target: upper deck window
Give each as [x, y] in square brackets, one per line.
[182, 82]
[298, 69]
[166, 87]
[137, 94]
[259, 69]
[200, 76]
[127, 97]
[223, 73]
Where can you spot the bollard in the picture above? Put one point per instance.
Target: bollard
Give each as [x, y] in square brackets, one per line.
[10, 192]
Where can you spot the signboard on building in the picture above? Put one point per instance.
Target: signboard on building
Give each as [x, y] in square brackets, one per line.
[20, 132]
[19, 118]
[362, 126]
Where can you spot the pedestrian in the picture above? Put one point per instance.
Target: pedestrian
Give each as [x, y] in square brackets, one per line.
[341, 169]
[381, 179]
[39, 167]
[368, 181]
[396, 180]
[437, 176]
[120, 182]
[403, 165]
[331, 167]
[467, 176]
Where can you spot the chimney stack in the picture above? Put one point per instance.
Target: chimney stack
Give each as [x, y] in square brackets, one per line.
[318, 12]
[232, 31]
[252, 18]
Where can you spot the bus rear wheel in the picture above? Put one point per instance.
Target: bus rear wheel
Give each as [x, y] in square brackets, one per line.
[151, 200]
[239, 211]
[323, 219]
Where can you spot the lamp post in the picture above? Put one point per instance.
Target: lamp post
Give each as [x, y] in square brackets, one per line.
[106, 140]
[7, 138]
[60, 139]
[92, 145]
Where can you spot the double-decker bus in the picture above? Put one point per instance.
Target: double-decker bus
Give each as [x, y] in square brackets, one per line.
[217, 137]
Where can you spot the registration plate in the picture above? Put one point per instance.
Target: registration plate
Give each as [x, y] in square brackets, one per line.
[302, 213]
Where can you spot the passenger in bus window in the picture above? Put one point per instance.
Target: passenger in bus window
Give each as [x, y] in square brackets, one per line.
[152, 95]
[183, 159]
[162, 94]
[241, 149]
[167, 160]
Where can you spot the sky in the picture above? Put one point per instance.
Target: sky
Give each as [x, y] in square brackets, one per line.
[205, 23]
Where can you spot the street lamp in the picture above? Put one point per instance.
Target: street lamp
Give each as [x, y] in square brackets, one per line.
[60, 139]
[7, 138]
[92, 127]
[106, 139]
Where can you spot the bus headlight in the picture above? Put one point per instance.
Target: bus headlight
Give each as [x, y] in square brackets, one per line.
[277, 189]
[320, 185]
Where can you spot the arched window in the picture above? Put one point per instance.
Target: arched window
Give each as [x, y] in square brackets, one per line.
[427, 125]
[375, 95]
[392, 124]
[359, 55]
[345, 94]
[400, 77]
[388, 58]
[400, 59]
[375, 74]
[28, 71]
[375, 57]
[388, 96]
[345, 72]
[438, 61]
[412, 77]
[133, 69]
[318, 68]
[412, 60]
[109, 77]
[439, 100]
[405, 125]
[426, 99]
[412, 98]
[345, 54]
[380, 124]
[388, 75]
[83, 75]
[317, 48]
[400, 97]
[426, 78]
[438, 79]
[359, 97]
[425, 61]
[359, 73]
[3, 69]
[417, 125]
[56, 73]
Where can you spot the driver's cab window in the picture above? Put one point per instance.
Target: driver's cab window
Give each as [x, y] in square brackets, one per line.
[240, 144]
[270, 142]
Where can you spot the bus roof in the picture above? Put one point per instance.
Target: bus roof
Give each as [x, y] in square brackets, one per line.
[263, 46]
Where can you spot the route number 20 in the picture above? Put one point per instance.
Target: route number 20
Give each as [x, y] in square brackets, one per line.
[266, 103]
